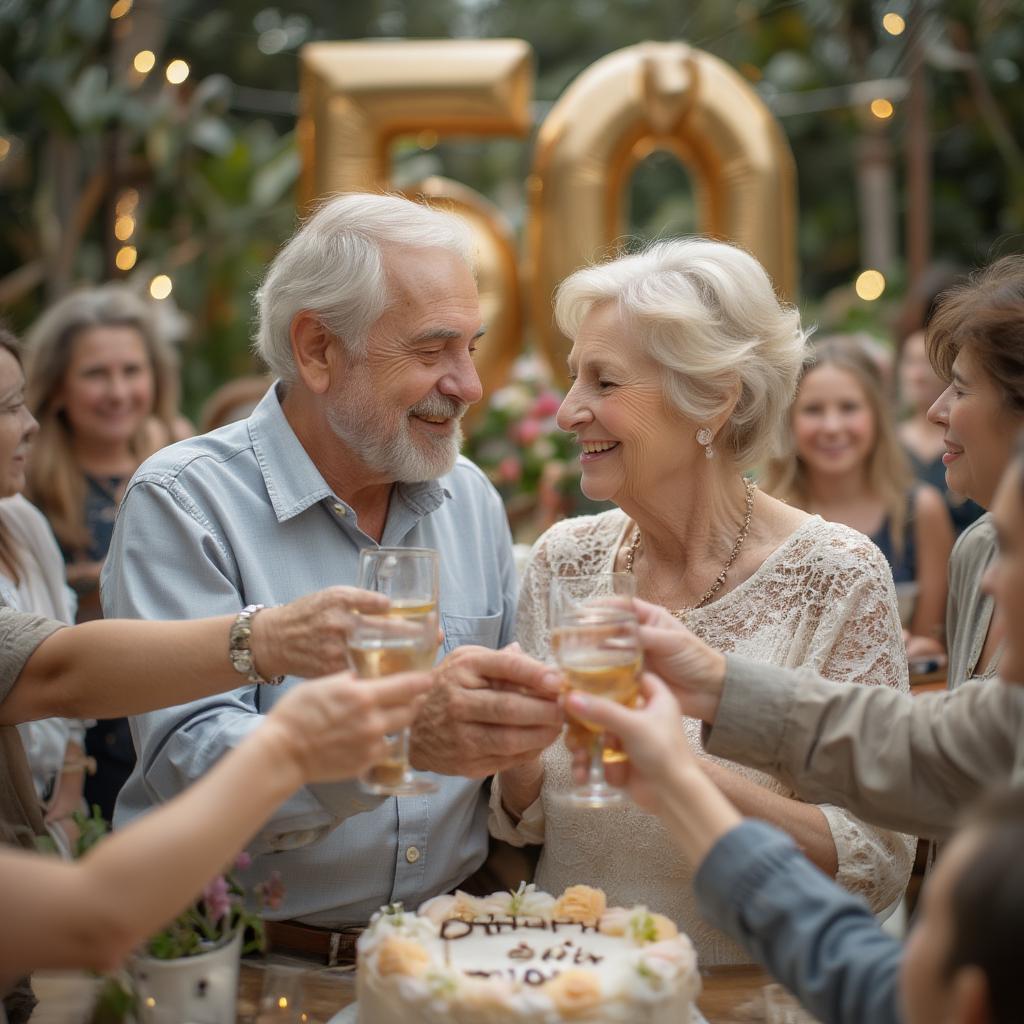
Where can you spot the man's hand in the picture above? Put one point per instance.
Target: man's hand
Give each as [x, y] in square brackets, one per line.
[693, 671]
[488, 710]
[309, 636]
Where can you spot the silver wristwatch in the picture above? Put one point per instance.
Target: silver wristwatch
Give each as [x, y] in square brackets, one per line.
[240, 647]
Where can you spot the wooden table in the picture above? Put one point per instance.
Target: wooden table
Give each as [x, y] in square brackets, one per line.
[65, 996]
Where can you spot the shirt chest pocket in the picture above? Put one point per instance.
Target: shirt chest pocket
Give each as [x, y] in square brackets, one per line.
[481, 630]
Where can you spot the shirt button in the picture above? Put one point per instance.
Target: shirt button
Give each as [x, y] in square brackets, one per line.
[341, 510]
[412, 855]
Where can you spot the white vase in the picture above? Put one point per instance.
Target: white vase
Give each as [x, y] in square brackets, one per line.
[199, 989]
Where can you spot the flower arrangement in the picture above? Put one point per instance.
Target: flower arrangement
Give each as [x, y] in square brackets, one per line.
[217, 914]
[521, 448]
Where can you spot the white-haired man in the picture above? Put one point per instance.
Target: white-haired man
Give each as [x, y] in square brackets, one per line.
[369, 317]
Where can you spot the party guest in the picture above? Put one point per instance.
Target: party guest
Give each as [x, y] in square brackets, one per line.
[369, 317]
[842, 460]
[683, 366]
[104, 390]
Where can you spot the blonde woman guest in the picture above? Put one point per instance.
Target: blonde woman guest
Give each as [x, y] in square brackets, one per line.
[843, 460]
[683, 366]
[104, 390]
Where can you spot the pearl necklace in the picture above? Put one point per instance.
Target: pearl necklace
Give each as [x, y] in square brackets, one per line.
[720, 579]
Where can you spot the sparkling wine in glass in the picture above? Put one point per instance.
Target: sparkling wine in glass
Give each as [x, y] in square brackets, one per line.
[596, 644]
[402, 639]
[568, 594]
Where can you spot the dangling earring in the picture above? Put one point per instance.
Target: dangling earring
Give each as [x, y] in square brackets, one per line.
[705, 437]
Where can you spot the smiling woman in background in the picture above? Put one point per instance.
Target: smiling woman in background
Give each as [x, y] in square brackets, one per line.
[844, 462]
[104, 391]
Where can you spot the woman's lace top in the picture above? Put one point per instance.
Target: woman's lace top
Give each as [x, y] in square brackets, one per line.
[823, 599]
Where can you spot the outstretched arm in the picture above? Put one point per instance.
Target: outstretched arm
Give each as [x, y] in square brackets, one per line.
[91, 913]
[148, 665]
[819, 941]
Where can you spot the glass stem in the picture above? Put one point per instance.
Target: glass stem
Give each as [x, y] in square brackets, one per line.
[596, 774]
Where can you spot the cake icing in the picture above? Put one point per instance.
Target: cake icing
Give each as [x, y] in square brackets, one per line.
[524, 956]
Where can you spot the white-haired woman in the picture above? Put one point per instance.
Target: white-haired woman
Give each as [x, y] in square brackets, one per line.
[683, 365]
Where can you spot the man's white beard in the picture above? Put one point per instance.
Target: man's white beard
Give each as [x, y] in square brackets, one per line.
[385, 440]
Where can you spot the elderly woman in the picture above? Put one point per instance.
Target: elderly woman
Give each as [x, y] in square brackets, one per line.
[976, 344]
[683, 366]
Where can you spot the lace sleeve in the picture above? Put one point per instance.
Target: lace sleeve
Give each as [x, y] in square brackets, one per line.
[867, 648]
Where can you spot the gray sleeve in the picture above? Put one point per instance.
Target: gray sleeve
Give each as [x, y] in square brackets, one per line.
[907, 763]
[20, 634]
[819, 941]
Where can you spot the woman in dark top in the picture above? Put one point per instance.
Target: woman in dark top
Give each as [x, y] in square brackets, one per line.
[104, 391]
[844, 462]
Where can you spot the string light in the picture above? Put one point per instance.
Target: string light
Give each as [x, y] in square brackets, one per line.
[893, 24]
[160, 287]
[120, 9]
[882, 109]
[124, 227]
[126, 202]
[126, 257]
[177, 71]
[145, 61]
[283, 1002]
[869, 285]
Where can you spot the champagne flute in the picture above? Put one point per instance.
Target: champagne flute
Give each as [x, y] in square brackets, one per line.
[596, 643]
[402, 639]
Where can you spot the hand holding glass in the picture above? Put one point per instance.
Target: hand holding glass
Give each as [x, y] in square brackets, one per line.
[402, 639]
[596, 643]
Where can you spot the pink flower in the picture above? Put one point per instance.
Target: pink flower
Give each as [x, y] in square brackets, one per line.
[510, 469]
[272, 890]
[217, 898]
[528, 431]
[547, 404]
[243, 861]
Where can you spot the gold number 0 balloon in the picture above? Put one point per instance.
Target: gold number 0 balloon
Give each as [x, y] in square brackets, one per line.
[620, 109]
[357, 97]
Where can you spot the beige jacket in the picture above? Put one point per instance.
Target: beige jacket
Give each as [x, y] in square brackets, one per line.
[906, 763]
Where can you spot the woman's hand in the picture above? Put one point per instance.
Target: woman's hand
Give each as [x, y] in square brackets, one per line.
[308, 637]
[662, 774]
[333, 728]
[694, 672]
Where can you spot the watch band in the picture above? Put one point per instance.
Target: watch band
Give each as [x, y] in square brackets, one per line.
[240, 647]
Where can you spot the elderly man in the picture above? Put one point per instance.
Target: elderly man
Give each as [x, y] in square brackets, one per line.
[369, 318]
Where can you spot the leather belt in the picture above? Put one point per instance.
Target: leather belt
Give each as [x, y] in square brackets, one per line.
[332, 948]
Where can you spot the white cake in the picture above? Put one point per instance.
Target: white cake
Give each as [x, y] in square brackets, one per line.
[525, 956]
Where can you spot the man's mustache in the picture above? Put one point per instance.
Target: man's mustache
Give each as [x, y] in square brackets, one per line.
[439, 407]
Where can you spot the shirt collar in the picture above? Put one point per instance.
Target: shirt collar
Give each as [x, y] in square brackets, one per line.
[291, 477]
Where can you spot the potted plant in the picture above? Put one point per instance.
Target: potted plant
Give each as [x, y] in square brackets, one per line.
[189, 969]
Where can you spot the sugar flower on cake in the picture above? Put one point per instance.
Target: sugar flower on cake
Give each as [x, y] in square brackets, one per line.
[582, 904]
[398, 955]
[574, 992]
[526, 901]
[638, 923]
[461, 906]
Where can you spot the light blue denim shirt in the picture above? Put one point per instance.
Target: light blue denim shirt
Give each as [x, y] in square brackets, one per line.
[242, 516]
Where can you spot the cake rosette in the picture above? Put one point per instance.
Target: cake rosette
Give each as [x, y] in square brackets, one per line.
[525, 956]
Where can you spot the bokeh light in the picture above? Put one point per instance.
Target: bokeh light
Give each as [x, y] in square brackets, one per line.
[120, 9]
[160, 287]
[893, 24]
[5, 147]
[145, 61]
[177, 71]
[882, 109]
[124, 227]
[870, 285]
[126, 257]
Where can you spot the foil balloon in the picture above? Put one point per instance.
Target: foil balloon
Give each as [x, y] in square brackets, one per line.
[616, 113]
[497, 273]
[357, 97]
